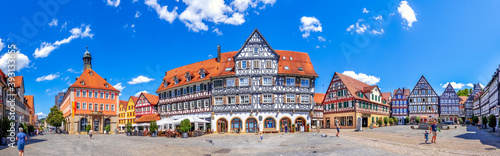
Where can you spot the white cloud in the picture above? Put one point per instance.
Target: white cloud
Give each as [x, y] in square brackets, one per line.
[133, 1]
[242, 5]
[317, 47]
[46, 48]
[361, 27]
[368, 79]
[482, 86]
[139, 93]
[41, 115]
[407, 13]
[140, 79]
[53, 22]
[216, 30]
[119, 86]
[137, 14]
[114, 3]
[22, 61]
[321, 39]
[210, 56]
[453, 84]
[215, 11]
[162, 11]
[365, 11]
[49, 77]
[64, 26]
[71, 70]
[470, 85]
[309, 24]
[48, 90]
[379, 17]
[2, 45]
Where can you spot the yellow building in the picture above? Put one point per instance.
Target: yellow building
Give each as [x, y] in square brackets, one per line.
[122, 118]
[127, 112]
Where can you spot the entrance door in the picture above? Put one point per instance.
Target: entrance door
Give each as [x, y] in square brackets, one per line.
[327, 125]
[365, 122]
[283, 122]
[251, 126]
[222, 126]
[96, 125]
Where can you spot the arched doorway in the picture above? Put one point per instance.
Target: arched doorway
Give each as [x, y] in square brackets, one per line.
[251, 125]
[107, 122]
[269, 122]
[236, 124]
[222, 125]
[83, 124]
[285, 121]
[96, 125]
[300, 121]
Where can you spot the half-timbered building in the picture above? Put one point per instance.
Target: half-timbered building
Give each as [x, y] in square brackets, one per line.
[449, 105]
[146, 104]
[317, 117]
[399, 105]
[258, 87]
[348, 99]
[423, 101]
[469, 104]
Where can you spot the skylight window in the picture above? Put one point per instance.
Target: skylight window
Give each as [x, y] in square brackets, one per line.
[291, 58]
[286, 68]
[300, 69]
[229, 59]
[284, 58]
[228, 69]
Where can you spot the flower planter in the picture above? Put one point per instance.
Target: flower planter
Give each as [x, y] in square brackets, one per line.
[128, 133]
[184, 135]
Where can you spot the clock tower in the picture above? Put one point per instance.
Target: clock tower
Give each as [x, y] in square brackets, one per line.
[87, 59]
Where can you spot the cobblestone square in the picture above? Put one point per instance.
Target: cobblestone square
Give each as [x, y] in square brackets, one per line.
[393, 140]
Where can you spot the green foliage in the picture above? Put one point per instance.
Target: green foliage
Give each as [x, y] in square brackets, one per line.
[4, 126]
[395, 119]
[475, 119]
[407, 119]
[464, 92]
[185, 125]
[25, 127]
[88, 128]
[391, 121]
[460, 121]
[107, 128]
[492, 121]
[417, 119]
[129, 127]
[484, 120]
[55, 117]
[153, 127]
[386, 120]
[380, 122]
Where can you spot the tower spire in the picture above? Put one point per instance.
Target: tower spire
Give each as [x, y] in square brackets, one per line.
[87, 59]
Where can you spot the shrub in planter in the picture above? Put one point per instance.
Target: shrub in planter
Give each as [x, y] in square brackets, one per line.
[4, 127]
[87, 129]
[107, 128]
[484, 121]
[492, 121]
[153, 127]
[407, 119]
[129, 128]
[417, 120]
[185, 126]
[386, 120]
[475, 119]
[380, 122]
[391, 121]
[293, 128]
[395, 120]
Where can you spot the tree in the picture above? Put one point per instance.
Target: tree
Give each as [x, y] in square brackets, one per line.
[185, 125]
[88, 128]
[152, 126]
[391, 121]
[386, 120]
[492, 121]
[380, 122]
[129, 127]
[417, 119]
[460, 121]
[4, 126]
[55, 117]
[395, 120]
[475, 119]
[484, 120]
[407, 119]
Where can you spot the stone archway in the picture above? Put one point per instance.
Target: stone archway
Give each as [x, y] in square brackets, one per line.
[222, 125]
[285, 121]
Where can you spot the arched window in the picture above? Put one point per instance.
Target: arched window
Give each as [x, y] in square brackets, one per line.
[107, 122]
[270, 123]
[236, 124]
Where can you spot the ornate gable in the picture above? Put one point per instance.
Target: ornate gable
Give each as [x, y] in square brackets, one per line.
[422, 88]
[256, 46]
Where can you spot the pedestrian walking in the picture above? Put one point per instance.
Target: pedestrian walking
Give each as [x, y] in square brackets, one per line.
[21, 138]
[261, 137]
[286, 128]
[434, 128]
[90, 133]
[337, 123]
[426, 136]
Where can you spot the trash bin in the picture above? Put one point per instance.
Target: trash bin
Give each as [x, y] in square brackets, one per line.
[116, 131]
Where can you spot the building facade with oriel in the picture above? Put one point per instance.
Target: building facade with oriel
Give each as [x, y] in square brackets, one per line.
[259, 88]
[449, 104]
[423, 101]
[469, 104]
[399, 104]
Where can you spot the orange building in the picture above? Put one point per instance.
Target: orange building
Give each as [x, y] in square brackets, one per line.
[92, 100]
[29, 99]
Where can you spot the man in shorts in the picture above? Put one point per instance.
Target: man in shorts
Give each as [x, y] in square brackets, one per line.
[433, 129]
[21, 138]
[337, 123]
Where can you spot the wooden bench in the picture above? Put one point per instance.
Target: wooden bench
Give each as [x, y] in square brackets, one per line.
[270, 130]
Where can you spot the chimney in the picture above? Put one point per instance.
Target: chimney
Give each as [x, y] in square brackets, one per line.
[218, 53]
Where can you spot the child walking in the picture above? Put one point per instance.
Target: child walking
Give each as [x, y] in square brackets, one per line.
[261, 137]
[426, 136]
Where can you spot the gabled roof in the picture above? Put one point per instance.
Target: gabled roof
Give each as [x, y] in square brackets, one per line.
[227, 61]
[255, 31]
[299, 59]
[318, 98]
[134, 99]
[153, 99]
[368, 88]
[464, 98]
[209, 66]
[148, 118]
[386, 95]
[354, 86]
[427, 82]
[406, 92]
[18, 82]
[123, 103]
[92, 80]
[31, 103]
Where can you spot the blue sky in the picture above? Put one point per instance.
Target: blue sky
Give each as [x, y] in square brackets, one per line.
[388, 43]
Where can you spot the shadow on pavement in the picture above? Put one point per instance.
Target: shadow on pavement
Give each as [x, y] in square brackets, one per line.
[28, 142]
[473, 133]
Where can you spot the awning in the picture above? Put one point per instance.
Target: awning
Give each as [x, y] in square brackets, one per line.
[165, 121]
[192, 119]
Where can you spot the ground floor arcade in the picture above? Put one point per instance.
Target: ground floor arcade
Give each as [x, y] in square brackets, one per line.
[97, 122]
[349, 120]
[253, 122]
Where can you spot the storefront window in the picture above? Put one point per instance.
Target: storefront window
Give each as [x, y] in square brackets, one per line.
[350, 121]
[342, 121]
[270, 123]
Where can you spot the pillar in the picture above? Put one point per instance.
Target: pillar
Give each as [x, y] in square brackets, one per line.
[196, 126]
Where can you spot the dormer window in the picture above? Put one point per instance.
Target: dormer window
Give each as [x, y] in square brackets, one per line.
[202, 75]
[291, 58]
[82, 83]
[286, 68]
[300, 69]
[176, 81]
[284, 58]
[106, 85]
[91, 73]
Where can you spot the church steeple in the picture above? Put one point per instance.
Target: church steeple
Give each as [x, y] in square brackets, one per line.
[87, 60]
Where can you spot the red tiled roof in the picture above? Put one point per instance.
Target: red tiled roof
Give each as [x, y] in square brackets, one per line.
[318, 98]
[209, 66]
[225, 63]
[153, 99]
[123, 103]
[299, 59]
[93, 81]
[134, 99]
[386, 95]
[18, 81]
[464, 98]
[354, 86]
[368, 88]
[406, 92]
[148, 118]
